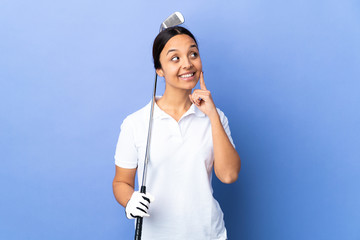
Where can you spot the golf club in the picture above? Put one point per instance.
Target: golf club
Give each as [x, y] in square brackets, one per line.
[173, 20]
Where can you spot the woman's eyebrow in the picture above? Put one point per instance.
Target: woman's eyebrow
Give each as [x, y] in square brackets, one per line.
[174, 50]
[171, 50]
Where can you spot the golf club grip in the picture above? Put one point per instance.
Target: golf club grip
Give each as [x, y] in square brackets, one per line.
[139, 220]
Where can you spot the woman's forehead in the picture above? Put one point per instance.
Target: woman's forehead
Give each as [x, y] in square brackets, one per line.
[181, 41]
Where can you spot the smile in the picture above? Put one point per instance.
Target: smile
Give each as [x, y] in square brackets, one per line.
[187, 75]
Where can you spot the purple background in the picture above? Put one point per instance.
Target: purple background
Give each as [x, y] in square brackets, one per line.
[286, 73]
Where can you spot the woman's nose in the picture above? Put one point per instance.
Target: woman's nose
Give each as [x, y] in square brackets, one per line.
[187, 63]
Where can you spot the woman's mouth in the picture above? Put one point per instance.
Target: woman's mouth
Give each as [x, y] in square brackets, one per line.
[187, 76]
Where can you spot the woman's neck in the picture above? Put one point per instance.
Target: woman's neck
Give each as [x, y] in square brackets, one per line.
[175, 103]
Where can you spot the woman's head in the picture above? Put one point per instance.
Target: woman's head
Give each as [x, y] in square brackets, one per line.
[177, 59]
[163, 37]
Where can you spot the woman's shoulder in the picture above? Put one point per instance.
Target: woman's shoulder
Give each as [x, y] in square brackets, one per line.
[223, 118]
[220, 112]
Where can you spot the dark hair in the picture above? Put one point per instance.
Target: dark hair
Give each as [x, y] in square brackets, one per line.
[163, 37]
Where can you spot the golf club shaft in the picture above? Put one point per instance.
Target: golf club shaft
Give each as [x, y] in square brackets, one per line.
[139, 220]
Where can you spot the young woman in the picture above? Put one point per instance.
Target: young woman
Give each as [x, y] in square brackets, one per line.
[190, 137]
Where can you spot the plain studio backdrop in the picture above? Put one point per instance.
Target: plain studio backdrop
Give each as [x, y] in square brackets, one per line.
[286, 73]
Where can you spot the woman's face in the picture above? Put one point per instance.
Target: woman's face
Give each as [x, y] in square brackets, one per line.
[180, 63]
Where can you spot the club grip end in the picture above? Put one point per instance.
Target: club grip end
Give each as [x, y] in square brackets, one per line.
[139, 220]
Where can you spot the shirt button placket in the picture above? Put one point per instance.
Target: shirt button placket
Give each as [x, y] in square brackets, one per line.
[178, 128]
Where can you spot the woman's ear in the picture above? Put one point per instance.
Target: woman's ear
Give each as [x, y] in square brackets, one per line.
[160, 72]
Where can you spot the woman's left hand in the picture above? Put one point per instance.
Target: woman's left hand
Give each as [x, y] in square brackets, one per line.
[202, 99]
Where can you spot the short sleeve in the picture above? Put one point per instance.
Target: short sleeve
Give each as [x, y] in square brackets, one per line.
[225, 123]
[126, 152]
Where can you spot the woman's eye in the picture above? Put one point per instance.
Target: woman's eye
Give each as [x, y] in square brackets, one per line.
[174, 58]
[194, 54]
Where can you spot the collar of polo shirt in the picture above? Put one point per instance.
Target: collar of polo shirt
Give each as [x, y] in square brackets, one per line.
[160, 114]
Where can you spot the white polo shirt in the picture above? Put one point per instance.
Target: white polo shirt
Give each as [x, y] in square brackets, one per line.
[179, 172]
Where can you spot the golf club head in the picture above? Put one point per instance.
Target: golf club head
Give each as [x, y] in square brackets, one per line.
[173, 20]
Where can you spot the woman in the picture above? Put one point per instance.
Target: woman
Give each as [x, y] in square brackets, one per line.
[190, 137]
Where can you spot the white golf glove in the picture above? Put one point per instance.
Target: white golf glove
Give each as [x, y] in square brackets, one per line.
[138, 205]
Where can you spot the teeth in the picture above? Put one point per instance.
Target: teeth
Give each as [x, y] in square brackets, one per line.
[187, 75]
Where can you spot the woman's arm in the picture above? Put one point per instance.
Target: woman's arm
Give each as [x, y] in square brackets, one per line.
[227, 162]
[123, 184]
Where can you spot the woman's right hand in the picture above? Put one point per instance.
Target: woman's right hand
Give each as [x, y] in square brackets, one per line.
[138, 205]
